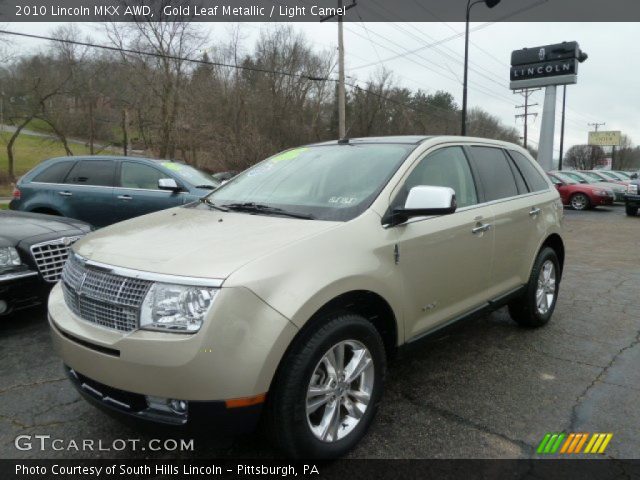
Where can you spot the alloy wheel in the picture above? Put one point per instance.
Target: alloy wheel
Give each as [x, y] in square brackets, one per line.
[546, 289]
[340, 390]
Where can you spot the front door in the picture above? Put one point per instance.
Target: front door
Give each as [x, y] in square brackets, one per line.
[137, 191]
[445, 261]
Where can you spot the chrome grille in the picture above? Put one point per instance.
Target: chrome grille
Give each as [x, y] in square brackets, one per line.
[102, 297]
[51, 256]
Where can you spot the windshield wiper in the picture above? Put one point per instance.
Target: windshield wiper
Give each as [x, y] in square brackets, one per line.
[210, 204]
[251, 207]
[208, 187]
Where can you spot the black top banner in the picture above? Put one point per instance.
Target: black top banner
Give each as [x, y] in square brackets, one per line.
[317, 10]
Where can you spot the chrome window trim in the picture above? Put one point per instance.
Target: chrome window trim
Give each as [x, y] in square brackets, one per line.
[473, 207]
[154, 277]
[102, 186]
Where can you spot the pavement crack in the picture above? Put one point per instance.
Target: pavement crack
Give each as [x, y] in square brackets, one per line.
[579, 399]
[28, 385]
[449, 415]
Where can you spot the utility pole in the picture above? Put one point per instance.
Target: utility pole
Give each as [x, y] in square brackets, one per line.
[564, 109]
[597, 125]
[526, 93]
[342, 121]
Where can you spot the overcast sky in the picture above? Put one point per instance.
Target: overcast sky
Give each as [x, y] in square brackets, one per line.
[607, 90]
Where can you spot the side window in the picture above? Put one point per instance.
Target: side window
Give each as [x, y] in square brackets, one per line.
[495, 173]
[530, 173]
[92, 172]
[447, 167]
[55, 173]
[139, 175]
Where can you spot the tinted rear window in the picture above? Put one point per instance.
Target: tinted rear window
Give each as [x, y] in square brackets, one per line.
[54, 173]
[495, 173]
[92, 172]
[532, 176]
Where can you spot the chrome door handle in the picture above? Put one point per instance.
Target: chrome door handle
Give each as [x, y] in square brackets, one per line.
[534, 211]
[125, 197]
[65, 194]
[481, 228]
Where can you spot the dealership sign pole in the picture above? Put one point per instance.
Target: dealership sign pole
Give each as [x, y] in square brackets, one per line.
[546, 66]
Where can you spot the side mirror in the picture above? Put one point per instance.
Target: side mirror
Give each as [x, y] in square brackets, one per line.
[424, 201]
[168, 184]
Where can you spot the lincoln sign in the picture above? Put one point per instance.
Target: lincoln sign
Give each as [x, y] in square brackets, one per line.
[546, 65]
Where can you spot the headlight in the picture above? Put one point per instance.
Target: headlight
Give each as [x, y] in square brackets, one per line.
[176, 308]
[632, 188]
[603, 193]
[9, 257]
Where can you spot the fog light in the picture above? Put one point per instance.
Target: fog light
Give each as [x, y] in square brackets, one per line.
[178, 406]
[3, 307]
[167, 405]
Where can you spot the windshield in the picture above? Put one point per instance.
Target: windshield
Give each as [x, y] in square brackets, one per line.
[327, 182]
[578, 177]
[192, 175]
[565, 179]
[594, 176]
[615, 176]
[624, 175]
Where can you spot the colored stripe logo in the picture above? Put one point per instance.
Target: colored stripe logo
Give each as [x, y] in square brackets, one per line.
[573, 443]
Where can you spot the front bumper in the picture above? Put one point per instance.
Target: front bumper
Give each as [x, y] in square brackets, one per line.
[632, 200]
[233, 356]
[21, 290]
[134, 407]
[600, 200]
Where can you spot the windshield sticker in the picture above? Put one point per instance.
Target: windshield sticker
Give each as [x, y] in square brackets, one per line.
[343, 200]
[288, 155]
[172, 166]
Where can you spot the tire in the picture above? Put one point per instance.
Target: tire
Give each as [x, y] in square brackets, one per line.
[631, 211]
[579, 201]
[287, 421]
[529, 310]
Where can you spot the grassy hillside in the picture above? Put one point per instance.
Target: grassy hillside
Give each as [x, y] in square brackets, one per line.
[28, 152]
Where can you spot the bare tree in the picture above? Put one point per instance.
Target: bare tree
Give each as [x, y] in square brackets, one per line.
[584, 157]
[163, 73]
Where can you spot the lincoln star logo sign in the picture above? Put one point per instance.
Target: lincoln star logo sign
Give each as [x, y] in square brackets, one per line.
[542, 54]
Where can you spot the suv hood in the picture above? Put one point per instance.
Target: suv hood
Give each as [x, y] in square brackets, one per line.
[195, 242]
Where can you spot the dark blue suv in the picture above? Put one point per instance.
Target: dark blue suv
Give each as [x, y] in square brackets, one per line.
[102, 190]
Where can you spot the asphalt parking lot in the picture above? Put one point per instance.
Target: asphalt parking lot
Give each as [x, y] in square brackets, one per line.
[488, 390]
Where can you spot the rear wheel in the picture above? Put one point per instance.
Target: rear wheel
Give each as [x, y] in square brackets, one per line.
[631, 211]
[327, 390]
[580, 201]
[535, 307]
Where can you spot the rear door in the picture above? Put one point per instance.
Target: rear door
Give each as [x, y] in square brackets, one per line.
[517, 216]
[88, 191]
[137, 191]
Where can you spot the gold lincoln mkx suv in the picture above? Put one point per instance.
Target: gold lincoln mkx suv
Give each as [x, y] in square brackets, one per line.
[282, 294]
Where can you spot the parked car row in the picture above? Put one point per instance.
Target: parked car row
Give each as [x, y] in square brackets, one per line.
[586, 189]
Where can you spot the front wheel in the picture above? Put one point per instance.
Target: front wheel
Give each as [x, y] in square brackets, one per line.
[327, 390]
[580, 201]
[536, 305]
[631, 211]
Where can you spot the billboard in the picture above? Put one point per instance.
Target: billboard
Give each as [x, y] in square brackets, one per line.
[605, 139]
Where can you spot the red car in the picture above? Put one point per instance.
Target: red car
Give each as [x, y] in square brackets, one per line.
[580, 196]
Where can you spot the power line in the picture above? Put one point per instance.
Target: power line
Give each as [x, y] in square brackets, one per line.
[221, 64]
